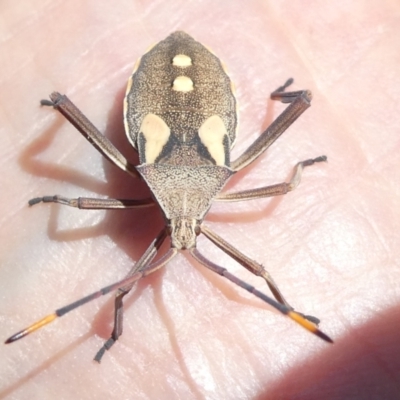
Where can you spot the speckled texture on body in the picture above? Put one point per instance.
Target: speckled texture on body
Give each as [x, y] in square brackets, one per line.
[150, 90]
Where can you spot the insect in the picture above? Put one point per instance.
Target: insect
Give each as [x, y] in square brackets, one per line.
[180, 115]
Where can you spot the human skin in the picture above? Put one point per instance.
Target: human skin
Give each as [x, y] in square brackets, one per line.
[331, 245]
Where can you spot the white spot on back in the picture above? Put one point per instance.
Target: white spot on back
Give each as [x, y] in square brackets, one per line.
[181, 60]
[182, 84]
[156, 132]
[212, 134]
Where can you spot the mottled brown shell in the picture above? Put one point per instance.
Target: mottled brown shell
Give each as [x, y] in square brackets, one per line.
[180, 83]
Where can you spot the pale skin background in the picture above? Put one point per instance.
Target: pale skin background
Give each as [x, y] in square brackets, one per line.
[332, 245]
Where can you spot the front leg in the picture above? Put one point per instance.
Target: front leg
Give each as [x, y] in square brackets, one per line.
[72, 113]
[299, 102]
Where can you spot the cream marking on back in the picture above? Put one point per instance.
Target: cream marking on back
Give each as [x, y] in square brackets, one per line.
[128, 89]
[212, 134]
[182, 84]
[156, 132]
[182, 60]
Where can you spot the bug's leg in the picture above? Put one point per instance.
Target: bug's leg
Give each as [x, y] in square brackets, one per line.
[140, 266]
[89, 131]
[284, 309]
[72, 306]
[299, 102]
[139, 271]
[273, 190]
[88, 203]
[253, 267]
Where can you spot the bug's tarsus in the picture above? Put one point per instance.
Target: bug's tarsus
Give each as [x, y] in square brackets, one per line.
[47, 103]
[106, 346]
[284, 86]
[298, 170]
[54, 199]
[35, 200]
[290, 97]
[321, 159]
[312, 161]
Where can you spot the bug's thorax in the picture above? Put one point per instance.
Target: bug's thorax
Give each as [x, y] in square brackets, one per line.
[184, 194]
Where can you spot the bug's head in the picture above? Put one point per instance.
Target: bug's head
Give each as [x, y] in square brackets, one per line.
[183, 232]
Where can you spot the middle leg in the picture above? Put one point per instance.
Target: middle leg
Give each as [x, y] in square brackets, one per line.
[90, 203]
[273, 190]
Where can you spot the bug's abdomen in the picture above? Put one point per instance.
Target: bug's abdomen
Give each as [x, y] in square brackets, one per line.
[179, 106]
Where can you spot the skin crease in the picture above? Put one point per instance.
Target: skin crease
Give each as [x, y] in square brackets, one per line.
[330, 245]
